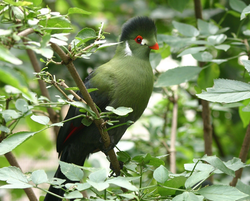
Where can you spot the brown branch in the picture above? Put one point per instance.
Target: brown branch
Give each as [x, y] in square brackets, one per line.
[98, 122]
[13, 162]
[72, 92]
[198, 9]
[52, 114]
[207, 128]
[172, 149]
[26, 32]
[243, 155]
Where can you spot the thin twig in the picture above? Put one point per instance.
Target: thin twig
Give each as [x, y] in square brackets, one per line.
[26, 32]
[172, 149]
[72, 92]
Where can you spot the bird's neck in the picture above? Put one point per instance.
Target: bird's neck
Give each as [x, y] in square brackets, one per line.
[124, 50]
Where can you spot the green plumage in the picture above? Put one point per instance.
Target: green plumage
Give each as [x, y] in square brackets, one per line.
[126, 80]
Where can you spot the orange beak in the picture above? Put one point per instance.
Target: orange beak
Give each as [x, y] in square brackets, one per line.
[155, 46]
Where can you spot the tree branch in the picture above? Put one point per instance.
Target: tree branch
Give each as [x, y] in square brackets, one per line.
[13, 162]
[99, 122]
[243, 155]
[172, 149]
[52, 114]
[207, 128]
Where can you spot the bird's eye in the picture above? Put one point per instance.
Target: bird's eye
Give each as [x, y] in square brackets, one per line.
[138, 39]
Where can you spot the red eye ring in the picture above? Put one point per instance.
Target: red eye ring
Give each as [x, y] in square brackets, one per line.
[138, 39]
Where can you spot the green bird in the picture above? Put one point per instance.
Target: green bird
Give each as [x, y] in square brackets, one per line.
[126, 80]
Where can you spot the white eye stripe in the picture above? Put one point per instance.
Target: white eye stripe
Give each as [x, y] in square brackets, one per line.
[127, 50]
[144, 42]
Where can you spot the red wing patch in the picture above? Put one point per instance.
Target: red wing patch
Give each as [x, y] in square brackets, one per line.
[73, 130]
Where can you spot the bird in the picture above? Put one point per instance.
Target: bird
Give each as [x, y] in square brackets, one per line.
[126, 80]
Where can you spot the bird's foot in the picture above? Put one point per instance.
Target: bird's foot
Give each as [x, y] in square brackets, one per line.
[113, 173]
[105, 149]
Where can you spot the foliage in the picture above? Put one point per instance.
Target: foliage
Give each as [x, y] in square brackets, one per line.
[218, 42]
[137, 182]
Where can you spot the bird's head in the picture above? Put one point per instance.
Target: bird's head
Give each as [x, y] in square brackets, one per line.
[139, 36]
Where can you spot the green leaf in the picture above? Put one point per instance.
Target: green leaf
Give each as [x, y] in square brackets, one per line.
[5, 55]
[57, 24]
[40, 119]
[81, 186]
[196, 177]
[217, 163]
[178, 5]
[235, 164]
[83, 36]
[206, 28]
[39, 177]
[222, 193]
[186, 29]
[86, 121]
[244, 115]
[46, 52]
[175, 183]
[177, 76]
[13, 78]
[72, 88]
[216, 39]
[9, 115]
[176, 43]
[154, 59]
[192, 50]
[203, 56]
[4, 129]
[76, 10]
[22, 105]
[18, 13]
[130, 196]
[246, 32]
[237, 5]
[73, 195]
[188, 196]
[97, 179]
[19, 3]
[4, 32]
[226, 91]
[14, 177]
[122, 182]
[245, 11]
[222, 47]
[83, 106]
[11, 142]
[123, 156]
[99, 175]
[246, 65]
[161, 174]
[35, 2]
[121, 111]
[71, 171]
[243, 188]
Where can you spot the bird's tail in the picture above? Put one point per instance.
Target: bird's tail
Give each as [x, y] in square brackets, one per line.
[56, 191]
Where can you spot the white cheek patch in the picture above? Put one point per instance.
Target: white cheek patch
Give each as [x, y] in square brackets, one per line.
[127, 50]
[144, 42]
